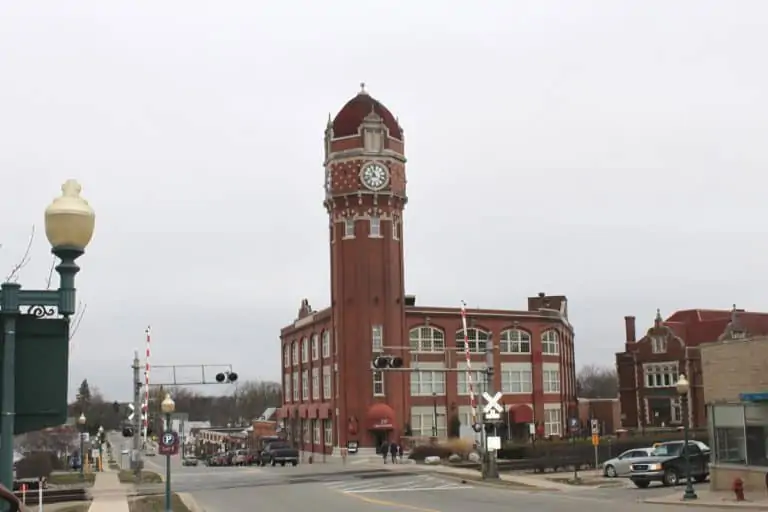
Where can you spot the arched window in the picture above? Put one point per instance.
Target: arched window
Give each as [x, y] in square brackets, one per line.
[427, 339]
[327, 344]
[304, 350]
[477, 339]
[286, 355]
[295, 347]
[515, 341]
[550, 343]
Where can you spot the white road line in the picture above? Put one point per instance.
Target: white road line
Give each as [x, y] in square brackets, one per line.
[406, 489]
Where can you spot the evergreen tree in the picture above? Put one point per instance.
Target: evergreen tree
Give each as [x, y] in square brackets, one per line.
[84, 397]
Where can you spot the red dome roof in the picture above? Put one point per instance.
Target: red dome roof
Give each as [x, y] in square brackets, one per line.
[351, 116]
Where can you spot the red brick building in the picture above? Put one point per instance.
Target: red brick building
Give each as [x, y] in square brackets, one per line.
[331, 393]
[649, 367]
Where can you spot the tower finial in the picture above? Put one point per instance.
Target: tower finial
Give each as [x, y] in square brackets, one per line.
[658, 320]
[362, 88]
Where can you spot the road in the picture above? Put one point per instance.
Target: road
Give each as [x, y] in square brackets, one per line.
[369, 487]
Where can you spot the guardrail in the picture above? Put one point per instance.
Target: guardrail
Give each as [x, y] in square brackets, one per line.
[51, 496]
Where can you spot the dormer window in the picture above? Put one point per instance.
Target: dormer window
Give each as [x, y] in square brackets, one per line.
[375, 227]
[659, 344]
[349, 228]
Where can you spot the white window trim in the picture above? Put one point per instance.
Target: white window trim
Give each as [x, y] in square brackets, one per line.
[657, 369]
[374, 227]
[327, 382]
[422, 420]
[287, 356]
[523, 375]
[328, 432]
[506, 345]
[295, 385]
[305, 385]
[553, 426]
[287, 385]
[659, 345]
[396, 227]
[377, 338]
[378, 380]
[349, 227]
[427, 345]
[295, 351]
[317, 431]
[326, 344]
[473, 338]
[304, 350]
[551, 385]
[315, 347]
[315, 383]
[428, 376]
[550, 343]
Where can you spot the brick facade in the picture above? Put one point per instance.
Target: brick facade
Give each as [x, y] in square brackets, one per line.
[734, 367]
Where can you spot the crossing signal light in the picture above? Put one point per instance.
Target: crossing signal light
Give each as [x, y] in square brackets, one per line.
[385, 362]
[226, 377]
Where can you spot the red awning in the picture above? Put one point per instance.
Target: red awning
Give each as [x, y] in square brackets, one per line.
[520, 413]
[380, 417]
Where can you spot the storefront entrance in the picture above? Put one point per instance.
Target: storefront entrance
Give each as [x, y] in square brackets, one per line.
[379, 438]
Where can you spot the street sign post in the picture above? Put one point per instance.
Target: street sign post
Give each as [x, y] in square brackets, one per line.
[595, 424]
[596, 444]
[169, 443]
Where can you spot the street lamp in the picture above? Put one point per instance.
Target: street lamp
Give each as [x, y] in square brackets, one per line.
[81, 421]
[168, 406]
[683, 386]
[434, 414]
[101, 445]
[69, 224]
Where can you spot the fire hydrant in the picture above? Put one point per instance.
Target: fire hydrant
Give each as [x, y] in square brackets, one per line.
[738, 488]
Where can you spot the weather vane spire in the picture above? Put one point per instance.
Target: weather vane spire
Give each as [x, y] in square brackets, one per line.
[362, 88]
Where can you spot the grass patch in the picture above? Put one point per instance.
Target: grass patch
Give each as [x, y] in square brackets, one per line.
[586, 482]
[80, 507]
[156, 504]
[71, 478]
[127, 476]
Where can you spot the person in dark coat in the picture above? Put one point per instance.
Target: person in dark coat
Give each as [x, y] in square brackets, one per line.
[384, 451]
[393, 450]
[400, 452]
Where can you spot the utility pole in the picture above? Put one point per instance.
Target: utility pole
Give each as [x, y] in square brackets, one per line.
[490, 469]
[137, 417]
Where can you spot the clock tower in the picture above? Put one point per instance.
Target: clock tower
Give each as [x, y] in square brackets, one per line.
[365, 195]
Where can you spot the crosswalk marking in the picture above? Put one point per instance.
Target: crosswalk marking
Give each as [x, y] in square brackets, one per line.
[390, 484]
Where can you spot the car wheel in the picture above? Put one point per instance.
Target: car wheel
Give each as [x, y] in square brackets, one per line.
[274, 463]
[282, 464]
[670, 478]
[641, 484]
[610, 471]
[294, 463]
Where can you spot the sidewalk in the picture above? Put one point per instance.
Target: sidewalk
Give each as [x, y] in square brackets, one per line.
[713, 499]
[109, 495]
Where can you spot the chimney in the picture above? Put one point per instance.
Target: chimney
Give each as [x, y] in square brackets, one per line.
[629, 326]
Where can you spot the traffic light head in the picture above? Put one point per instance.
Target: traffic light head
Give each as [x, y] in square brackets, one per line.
[226, 377]
[220, 377]
[384, 362]
[232, 377]
[396, 362]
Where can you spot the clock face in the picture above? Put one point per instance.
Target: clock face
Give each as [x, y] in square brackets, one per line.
[374, 176]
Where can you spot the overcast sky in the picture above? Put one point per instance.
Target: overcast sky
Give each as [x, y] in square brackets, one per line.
[609, 151]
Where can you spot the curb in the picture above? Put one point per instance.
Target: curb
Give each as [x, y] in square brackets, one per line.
[502, 484]
[189, 502]
[697, 503]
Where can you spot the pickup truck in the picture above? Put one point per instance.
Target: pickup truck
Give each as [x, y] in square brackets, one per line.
[667, 464]
[279, 453]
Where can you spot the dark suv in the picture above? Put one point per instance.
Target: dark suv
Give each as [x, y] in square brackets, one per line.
[667, 464]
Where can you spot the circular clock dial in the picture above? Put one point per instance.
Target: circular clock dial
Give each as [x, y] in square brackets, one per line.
[374, 176]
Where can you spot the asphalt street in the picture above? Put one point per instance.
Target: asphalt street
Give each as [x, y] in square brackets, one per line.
[369, 487]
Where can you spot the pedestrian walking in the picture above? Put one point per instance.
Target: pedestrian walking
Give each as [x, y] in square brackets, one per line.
[384, 451]
[400, 452]
[393, 451]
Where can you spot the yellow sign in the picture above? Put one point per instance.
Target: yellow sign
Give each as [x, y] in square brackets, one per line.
[595, 440]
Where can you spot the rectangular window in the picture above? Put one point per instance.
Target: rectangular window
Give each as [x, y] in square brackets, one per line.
[550, 343]
[286, 356]
[377, 338]
[295, 353]
[326, 382]
[658, 345]
[422, 424]
[551, 381]
[326, 343]
[315, 347]
[395, 228]
[478, 380]
[660, 375]
[427, 383]
[316, 431]
[516, 380]
[295, 386]
[305, 431]
[552, 421]
[304, 350]
[349, 228]
[375, 227]
[305, 385]
[328, 432]
[315, 383]
[378, 383]
[287, 387]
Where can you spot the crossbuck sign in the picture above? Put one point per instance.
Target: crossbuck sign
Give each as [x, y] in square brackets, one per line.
[492, 407]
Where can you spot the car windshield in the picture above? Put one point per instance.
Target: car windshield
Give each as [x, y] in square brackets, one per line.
[277, 446]
[668, 450]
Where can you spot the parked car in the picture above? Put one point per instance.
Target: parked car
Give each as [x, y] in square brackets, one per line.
[239, 458]
[620, 466]
[279, 453]
[189, 461]
[667, 464]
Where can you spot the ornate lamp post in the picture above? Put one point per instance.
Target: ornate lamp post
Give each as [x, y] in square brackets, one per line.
[168, 406]
[69, 224]
[682, 389]
[101, 448]
[81, 421]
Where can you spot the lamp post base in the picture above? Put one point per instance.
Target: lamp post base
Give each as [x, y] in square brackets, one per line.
[689, 494]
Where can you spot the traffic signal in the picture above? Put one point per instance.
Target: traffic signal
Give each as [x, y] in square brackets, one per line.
[387, 362]
[229, 377]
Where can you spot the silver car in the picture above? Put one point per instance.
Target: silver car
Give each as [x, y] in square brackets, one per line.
[619, 466]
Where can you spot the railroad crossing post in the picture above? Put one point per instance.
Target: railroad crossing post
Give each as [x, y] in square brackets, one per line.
[490, 417]
[136, 463]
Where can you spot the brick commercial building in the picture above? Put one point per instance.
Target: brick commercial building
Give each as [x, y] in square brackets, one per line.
[649, 367]
[736, 392]
[331, 393]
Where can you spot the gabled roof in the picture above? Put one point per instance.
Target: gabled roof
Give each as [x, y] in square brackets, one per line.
[697, 326]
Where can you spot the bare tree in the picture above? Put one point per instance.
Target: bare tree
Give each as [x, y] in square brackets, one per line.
[594, 381]
[13, 275]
